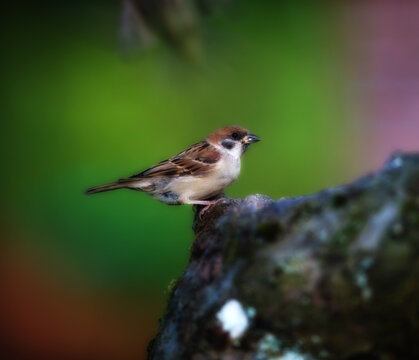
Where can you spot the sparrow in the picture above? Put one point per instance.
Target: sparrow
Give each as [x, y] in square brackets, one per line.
[194, 176]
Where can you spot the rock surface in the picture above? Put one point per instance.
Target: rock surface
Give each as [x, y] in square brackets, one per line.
[333, 275]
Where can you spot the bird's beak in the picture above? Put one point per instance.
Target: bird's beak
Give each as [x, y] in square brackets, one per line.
[250, 139]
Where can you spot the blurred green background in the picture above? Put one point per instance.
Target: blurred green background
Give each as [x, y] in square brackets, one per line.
[87, 277]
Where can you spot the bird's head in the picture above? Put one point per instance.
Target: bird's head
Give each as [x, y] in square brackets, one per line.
[232, 139]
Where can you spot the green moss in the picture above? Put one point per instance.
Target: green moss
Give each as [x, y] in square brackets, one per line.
[410, 212]
[171, 287]
[294, 265]
[412, 184]
[337, 246]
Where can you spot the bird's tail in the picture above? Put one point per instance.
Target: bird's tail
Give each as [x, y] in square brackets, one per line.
[106, 187]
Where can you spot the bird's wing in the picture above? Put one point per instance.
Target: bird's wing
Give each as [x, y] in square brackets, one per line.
[195, 160]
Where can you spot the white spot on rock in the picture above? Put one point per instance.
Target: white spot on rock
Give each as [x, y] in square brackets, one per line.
[233, 319]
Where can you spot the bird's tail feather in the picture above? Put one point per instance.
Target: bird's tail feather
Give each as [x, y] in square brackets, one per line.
[106, 187]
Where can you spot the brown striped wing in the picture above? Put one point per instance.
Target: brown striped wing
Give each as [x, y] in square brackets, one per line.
[196, 160]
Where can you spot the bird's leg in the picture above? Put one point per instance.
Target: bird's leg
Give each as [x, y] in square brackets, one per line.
[207, 203]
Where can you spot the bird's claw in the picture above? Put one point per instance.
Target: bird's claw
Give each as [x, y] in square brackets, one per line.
[206, 207]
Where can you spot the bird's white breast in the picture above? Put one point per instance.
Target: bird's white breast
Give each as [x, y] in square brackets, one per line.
[211, 184]
[228, 167]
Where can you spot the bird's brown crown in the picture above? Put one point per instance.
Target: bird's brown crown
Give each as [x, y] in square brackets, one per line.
[227, 132]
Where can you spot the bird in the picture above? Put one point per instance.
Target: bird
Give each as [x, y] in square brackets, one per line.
[196, 175]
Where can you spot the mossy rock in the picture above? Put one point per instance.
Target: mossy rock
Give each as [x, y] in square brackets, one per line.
[328, 276]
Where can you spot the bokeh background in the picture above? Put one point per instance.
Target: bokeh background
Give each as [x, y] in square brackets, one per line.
[332, 88]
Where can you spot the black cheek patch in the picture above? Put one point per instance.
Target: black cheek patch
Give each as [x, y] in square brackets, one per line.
[227, 144]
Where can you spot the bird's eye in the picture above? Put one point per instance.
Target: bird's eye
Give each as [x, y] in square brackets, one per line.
[235, 136]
